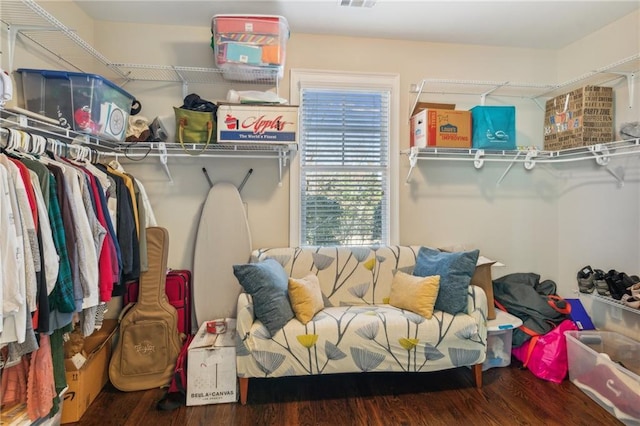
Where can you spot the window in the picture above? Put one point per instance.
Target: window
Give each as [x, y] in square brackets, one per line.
[345, 159]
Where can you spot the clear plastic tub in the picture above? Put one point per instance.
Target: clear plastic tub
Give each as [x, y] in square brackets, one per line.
[605, 365]
[498, 349]
[86, 103]
[250, 48]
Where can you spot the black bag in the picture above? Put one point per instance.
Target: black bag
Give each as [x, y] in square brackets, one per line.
[535, 303]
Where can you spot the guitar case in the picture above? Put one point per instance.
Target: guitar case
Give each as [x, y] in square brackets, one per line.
[146, 352]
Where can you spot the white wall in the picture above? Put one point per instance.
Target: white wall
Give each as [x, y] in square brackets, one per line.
[598, 219]
[549, 220]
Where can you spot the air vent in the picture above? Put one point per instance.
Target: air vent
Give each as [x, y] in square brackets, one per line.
[357, 3]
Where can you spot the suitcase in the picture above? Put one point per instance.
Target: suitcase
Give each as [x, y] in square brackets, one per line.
[178, 290]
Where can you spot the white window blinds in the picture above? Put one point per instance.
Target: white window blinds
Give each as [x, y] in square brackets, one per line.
[344, 166]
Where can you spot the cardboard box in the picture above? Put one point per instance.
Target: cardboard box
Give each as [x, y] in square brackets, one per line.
[257, 123]
[430, 105]
[441, 127]
[211, 367]
[86, 382]
[581, 117]
[494, 127]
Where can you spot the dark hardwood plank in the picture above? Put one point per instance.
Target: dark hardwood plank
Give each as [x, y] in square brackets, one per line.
[509, 396]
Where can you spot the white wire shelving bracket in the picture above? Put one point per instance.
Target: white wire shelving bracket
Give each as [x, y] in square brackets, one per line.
[164, 150]
[600, 153]
[613, 302]
[197, 75]
[26, 18]
[626, 68]
[142, 150]
[479, 88]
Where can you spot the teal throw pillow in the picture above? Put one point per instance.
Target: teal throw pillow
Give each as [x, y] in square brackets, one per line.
[267, 283]
[455, 270]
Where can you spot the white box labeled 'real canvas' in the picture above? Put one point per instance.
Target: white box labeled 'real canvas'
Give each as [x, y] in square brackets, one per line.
[257, 124]
[211, 367]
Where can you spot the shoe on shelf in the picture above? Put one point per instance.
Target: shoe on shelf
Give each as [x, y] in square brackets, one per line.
[601, 284]
[628, 282]
[631, 301]
[634, 289]
[616, 284]
[585, 280]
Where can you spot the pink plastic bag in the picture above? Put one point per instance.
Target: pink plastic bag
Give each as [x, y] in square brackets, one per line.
[546, 355]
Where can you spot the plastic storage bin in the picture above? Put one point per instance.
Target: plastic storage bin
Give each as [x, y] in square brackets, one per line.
[499, 339]
[498, 349]
[249, 48]
[86, 103]
[606, 366]
[494, 127]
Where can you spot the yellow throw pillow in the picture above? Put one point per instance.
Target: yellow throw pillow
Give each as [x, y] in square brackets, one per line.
[415, 294]
[306, 297]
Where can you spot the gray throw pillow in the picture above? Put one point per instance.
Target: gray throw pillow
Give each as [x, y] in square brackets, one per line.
[455, 270]
[267, 283]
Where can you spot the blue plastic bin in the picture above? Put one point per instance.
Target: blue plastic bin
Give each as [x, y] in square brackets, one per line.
[86, 103]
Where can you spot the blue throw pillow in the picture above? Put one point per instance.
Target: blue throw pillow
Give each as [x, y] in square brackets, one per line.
[267, 283]
[455, 270]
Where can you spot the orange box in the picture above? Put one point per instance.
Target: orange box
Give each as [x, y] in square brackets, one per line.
[271, 54]
[440, 127]
[266, 24]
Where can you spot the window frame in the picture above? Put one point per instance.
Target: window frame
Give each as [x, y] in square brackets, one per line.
[301, 78]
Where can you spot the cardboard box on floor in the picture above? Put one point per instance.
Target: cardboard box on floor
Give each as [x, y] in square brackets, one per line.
[85, 383]
[211, 367]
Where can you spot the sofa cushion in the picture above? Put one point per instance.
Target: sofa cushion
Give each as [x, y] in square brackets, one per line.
[306, 297]
[348, 275]
[415, 294]
[349, 339]
[267, 283]
[455, 270]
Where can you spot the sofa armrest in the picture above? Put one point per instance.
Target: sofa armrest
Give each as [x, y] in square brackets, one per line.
[245, 315]
[477, 308]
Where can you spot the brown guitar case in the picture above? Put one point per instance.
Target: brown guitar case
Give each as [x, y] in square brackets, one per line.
[147, 349]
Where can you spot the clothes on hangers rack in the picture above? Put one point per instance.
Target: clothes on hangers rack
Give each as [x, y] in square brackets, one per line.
[71, 237]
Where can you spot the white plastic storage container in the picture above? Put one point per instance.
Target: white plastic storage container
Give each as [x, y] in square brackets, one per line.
[499, 339]
[86, 103]
[606, 366]
[498, 349]
[250, 48]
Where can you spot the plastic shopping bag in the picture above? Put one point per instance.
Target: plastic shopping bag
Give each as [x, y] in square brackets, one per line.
[546, 355]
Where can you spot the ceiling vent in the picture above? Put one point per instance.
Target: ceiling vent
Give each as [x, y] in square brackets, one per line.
[357, 3]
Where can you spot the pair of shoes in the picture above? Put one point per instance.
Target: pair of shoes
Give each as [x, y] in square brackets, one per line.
[618, 283]
[601, 284]
[631, 301]
[585, 280]
[634, 289]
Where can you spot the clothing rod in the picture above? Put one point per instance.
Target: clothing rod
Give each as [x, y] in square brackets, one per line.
[132, 156]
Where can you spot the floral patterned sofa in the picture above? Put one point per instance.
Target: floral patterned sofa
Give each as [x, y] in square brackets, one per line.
[357, 330]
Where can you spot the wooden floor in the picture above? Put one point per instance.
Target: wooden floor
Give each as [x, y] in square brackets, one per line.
[510, 396]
